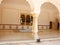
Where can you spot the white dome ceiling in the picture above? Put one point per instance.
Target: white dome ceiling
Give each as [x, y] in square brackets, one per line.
[19, 4]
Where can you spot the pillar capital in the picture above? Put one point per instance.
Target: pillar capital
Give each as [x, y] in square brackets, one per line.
[35, 15]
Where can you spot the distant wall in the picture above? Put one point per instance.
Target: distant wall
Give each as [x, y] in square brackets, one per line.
[10, 16]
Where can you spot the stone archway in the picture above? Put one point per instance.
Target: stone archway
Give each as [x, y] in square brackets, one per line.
[14, 7]
[49, 12]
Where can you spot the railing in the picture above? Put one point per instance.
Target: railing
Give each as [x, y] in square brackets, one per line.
[43, 27]
[13, 27]
[21, 27]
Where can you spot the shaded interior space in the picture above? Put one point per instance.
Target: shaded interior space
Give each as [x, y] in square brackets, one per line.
[17, 23]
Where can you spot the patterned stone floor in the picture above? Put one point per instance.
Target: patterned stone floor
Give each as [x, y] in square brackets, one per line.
[48, 37]
[52, 41]
[8, 35]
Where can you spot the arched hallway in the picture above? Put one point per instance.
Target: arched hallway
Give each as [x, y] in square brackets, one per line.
[29, 20]
[49, 13]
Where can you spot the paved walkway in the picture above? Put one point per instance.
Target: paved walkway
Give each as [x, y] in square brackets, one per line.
[14, 37]
[51, 41]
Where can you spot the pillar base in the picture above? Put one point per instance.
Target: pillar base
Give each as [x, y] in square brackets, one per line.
[38, 40]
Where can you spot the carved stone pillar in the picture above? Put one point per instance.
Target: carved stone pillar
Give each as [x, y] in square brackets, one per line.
[35, 27]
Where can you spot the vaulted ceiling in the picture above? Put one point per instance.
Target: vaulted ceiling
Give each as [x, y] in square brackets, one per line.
[20, 2]
[25, 4]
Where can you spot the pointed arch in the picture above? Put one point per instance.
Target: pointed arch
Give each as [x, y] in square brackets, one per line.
[49, 12]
